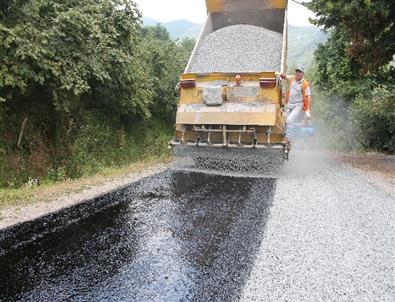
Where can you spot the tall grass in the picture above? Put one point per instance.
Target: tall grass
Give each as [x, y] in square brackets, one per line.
[96, 146]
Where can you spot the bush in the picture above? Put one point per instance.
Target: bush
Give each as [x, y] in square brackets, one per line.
[95, 147]
[374, 118]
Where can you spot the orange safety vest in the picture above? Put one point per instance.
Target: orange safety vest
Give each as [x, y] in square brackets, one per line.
[305, 85]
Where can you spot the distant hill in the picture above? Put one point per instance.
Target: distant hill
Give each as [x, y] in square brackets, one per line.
[149, 21]
[302, 43]
[181, 28]
[302, 40]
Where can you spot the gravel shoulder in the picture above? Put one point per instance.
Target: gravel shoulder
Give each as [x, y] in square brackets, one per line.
[378, 169]
[330, 236]
[44, 200]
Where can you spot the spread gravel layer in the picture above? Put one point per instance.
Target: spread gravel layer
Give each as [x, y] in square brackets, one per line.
[239, 48]
[330, 237]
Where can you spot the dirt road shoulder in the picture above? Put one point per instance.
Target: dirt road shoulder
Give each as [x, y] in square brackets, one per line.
[27, 204]
[378, 169]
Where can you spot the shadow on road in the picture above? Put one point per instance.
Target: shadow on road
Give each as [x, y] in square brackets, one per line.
[224, 220]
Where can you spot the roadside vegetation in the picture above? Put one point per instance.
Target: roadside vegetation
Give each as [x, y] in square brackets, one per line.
[83, 86]
[354, 74]
[109, 177]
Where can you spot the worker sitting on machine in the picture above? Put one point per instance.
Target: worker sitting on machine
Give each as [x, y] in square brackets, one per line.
[297, 99]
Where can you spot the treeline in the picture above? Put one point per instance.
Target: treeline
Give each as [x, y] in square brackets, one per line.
[355, 73]
[83, 85]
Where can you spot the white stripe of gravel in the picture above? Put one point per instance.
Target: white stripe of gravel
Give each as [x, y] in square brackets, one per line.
[330, 237]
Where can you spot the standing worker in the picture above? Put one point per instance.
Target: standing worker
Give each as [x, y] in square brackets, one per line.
[298, 98]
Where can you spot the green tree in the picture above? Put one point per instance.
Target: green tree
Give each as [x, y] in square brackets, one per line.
[165, 60]
[156, 32]
[82, 86]
[72, 51]
[353, 68]
[368, 24]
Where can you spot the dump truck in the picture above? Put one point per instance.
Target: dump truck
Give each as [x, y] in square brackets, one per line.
[224, 112]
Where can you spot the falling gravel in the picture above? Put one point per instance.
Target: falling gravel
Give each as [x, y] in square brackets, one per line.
[231, 162]
[239, 48]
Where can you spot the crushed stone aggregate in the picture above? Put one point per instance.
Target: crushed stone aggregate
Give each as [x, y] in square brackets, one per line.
[330, 237]
[239, 48]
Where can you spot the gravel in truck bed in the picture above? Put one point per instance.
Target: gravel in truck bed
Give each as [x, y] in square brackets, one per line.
[239, 48]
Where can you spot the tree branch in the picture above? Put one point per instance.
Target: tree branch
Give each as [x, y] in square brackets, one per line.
[21, 132]
[300, 3]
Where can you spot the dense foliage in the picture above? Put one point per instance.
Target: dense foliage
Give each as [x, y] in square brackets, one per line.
[82, 85]
[355, 74]
[369, 25]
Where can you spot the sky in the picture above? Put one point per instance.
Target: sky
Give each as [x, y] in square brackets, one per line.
[195, 11]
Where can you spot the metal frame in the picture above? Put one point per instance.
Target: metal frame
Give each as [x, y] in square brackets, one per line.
[225, 139]
[276, 146]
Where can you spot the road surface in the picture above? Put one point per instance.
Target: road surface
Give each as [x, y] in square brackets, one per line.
[319, 232]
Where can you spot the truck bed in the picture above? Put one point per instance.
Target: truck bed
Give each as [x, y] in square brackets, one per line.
[274, 19]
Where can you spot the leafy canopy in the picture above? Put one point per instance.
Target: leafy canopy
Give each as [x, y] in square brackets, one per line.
[369, 25]
[73, 49]
[354, 72]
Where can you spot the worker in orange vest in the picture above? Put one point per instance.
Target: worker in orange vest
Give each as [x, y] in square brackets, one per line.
[298, 97]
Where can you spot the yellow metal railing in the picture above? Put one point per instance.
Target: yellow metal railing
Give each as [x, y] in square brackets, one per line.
[209, 77]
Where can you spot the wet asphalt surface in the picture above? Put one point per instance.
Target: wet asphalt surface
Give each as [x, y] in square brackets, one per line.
[317, 233]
